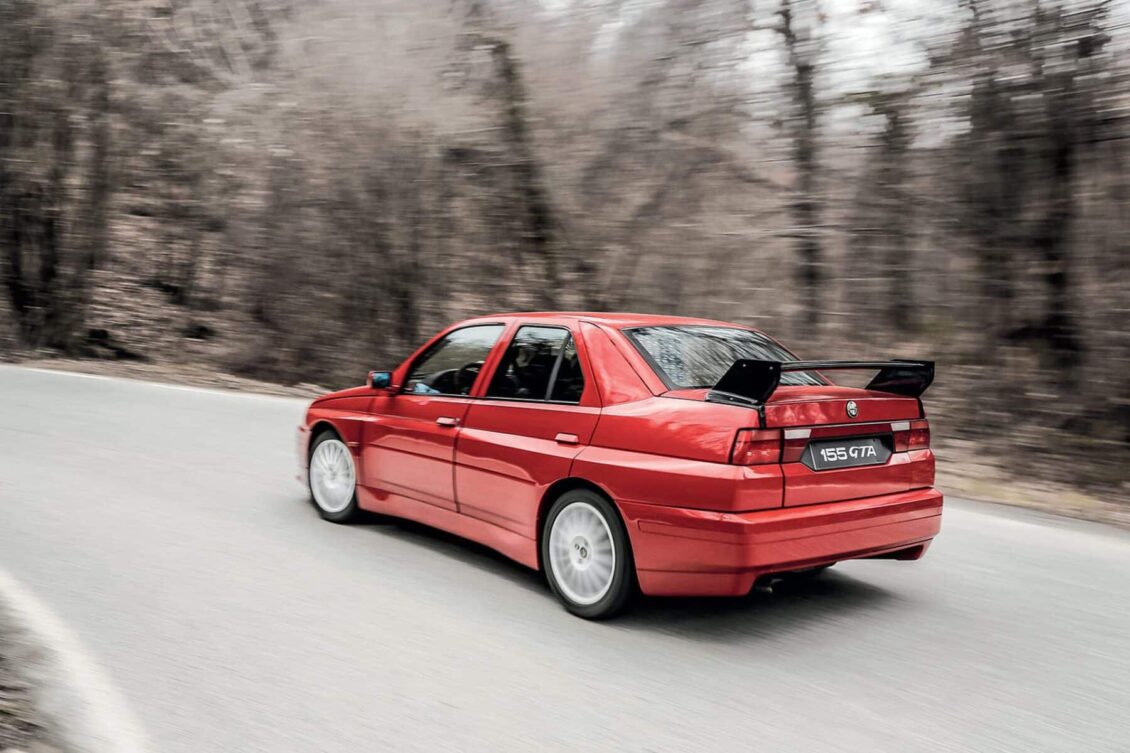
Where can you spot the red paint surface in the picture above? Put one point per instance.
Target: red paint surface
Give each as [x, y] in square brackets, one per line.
[698, 524]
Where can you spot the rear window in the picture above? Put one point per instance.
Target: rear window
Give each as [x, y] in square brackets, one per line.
[696, 356]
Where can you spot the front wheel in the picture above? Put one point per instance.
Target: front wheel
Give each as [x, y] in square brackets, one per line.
[332, 478]
[586, 555]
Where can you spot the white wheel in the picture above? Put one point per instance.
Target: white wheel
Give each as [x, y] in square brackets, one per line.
[582, 553]
[333, 479]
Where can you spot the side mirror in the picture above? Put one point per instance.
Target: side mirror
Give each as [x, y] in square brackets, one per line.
[380, 380]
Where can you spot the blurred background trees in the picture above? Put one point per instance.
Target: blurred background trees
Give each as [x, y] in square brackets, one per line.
[55, 166]
[300, 191]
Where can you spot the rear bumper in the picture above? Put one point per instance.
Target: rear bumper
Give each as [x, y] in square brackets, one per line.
[685, 552]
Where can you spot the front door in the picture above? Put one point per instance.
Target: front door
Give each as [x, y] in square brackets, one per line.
[523, 433]
[409, 444]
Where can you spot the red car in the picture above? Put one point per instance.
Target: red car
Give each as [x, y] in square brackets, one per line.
[682, 456]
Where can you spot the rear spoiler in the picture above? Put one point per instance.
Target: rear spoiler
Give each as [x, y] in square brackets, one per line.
[750, 381]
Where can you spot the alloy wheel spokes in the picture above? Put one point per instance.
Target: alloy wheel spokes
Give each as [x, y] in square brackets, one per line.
[582, 553]
[332, 477]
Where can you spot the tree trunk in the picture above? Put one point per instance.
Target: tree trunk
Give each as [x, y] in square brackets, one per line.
[537, 215]
[1059, 329]
[805, 207]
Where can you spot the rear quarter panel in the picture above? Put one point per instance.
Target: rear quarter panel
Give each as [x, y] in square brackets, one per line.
[674, 428]
[666, 451]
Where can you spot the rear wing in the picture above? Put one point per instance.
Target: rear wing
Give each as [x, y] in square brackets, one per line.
[750, 381]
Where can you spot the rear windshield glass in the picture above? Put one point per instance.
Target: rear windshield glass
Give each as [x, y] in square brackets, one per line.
[697, 356]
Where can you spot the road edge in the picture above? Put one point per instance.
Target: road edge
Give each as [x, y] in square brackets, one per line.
[88, 714]
[1054, 499]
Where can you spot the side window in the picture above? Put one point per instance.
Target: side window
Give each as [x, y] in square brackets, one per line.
[536, 356]
[451, 366]
[570, 382]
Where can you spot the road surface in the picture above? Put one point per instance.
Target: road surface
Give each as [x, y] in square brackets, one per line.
[164, 527]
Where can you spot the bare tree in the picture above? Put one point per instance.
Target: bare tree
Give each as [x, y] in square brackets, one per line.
[54, 165]
[798, 19]
[302, 191]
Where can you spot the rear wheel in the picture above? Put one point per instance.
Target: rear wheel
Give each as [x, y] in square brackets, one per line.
[586, 555]
[332, 478]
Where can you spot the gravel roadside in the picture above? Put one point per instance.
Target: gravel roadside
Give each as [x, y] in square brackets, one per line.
[23, 725]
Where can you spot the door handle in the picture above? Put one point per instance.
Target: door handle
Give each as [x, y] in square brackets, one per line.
[447, 421]
[564, 438]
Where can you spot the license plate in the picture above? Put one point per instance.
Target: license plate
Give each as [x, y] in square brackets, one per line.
[827, 454]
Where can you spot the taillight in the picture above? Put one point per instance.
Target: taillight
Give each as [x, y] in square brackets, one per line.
[911, 435]
[756, 447]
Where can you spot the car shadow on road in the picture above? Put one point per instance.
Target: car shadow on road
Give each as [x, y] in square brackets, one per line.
[463, 551]
[789, 604]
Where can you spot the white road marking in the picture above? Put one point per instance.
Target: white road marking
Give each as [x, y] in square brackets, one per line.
[92, 714]
[163, 385]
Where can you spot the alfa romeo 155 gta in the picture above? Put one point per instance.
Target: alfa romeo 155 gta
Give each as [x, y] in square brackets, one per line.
[624, 453]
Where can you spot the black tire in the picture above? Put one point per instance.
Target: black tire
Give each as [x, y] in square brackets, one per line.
[623, 585]
[351, 511]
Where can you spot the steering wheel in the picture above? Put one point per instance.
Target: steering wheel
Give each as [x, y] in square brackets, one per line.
[465, 377]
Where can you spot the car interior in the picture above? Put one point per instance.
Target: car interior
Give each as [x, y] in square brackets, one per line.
[527, 370]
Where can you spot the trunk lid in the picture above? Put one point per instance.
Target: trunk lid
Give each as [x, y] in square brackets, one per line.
[827, 404]
[843, 443]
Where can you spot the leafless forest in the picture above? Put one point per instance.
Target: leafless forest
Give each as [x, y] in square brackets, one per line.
[300, 190]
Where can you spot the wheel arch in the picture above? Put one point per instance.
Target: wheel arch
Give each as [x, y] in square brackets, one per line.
[317, 429]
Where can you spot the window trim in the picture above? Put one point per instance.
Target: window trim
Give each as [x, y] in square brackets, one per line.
[629, 333]
[569, 337]
[526, 400]
[435, 343]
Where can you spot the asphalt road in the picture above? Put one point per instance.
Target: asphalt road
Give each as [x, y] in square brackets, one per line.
[164, 526]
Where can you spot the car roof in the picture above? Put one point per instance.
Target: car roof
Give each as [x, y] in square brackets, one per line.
[618, 320]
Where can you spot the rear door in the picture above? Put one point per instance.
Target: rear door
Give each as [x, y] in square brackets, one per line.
[536, 413]
[843, 443]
